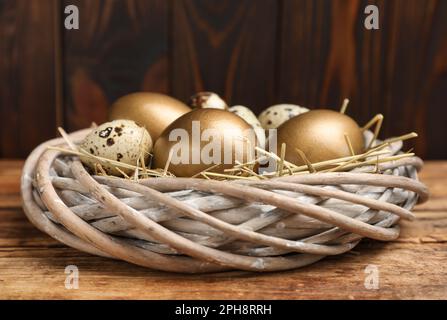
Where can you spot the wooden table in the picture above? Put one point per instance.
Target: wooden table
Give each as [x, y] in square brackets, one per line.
[32, 264]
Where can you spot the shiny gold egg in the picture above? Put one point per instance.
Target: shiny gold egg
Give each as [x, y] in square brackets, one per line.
[154, 111]
[201, 139]
[320, 134]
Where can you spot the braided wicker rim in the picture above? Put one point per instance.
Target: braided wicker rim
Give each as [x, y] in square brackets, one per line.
[195, 225]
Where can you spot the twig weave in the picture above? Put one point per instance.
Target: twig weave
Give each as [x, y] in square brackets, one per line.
[196, 225]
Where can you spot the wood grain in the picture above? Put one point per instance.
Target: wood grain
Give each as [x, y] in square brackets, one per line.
[121, 47]
[413, 267]
[27, 75]
[229, 48]
[9, 184]
[256, 53]
[397, 70]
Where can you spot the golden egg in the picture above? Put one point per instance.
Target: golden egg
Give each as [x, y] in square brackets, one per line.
[202, 139]
[154, 111]
[320, 134]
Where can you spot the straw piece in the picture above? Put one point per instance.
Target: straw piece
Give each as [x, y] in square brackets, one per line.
[122, 172]
[344, 106]
[206, 170]
[376, 120]
[348, 142]
[67, 139]
[303, 157]
[280, 164]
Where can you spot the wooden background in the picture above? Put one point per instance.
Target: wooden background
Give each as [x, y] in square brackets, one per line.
[252, 52]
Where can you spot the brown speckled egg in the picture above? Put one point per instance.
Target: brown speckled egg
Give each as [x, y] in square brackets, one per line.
[274, 116]
[119, 140]
[248, 115]
[207, 100]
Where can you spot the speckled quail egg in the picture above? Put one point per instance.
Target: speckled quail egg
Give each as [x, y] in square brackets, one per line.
[246, 114]
[118, 140]
[204, 100]
[276, 115]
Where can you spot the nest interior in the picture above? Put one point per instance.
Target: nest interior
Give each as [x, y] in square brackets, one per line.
[193, 225]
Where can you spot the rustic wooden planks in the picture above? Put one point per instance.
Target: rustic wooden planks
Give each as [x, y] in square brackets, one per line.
[28, 107]
[9, 184]
[327, 55]
[228, 47]
[413, 267]
[256, 53]
[39, 273]
[121, 47]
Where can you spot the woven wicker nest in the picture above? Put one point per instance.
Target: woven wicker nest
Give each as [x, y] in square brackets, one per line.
[196, 225]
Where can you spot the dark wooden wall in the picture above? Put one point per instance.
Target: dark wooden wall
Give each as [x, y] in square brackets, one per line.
[252, 52]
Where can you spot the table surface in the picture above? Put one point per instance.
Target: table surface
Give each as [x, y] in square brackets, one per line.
[32, 265]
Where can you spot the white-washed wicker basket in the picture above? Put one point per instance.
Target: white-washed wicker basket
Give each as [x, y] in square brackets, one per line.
[196, 225]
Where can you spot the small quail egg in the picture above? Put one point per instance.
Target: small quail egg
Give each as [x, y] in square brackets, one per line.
[246, 114]
[274, 116]
[118, 140]
[203, 100]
